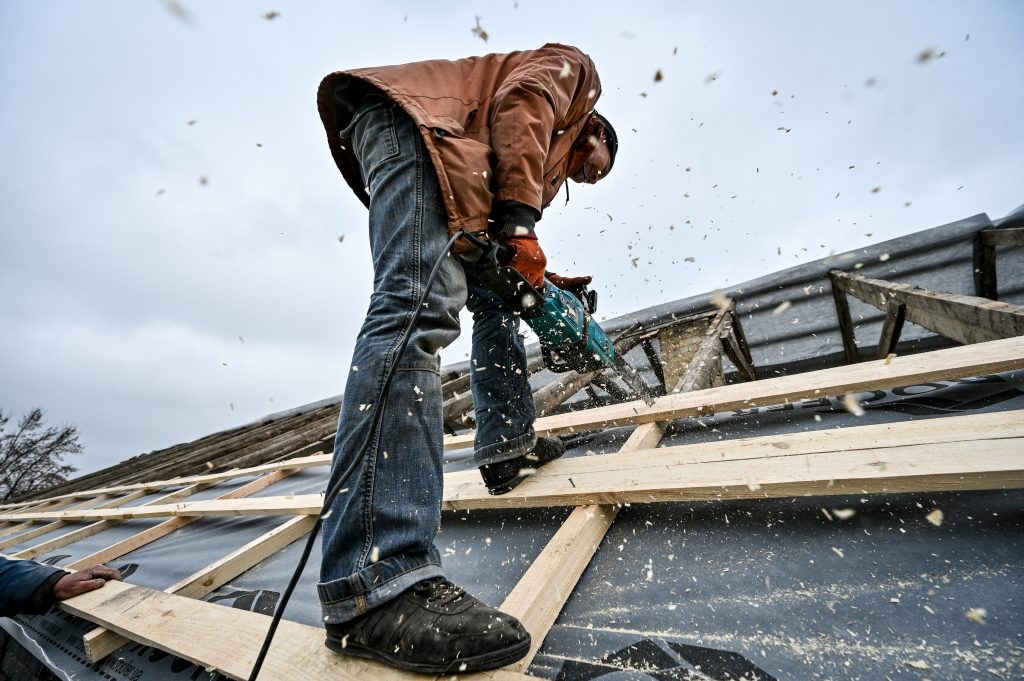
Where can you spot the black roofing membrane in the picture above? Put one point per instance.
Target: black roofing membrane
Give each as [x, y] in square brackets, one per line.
[834, 587]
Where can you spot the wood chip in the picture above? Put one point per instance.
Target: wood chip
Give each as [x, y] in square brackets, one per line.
[851, 405]
[977, 615]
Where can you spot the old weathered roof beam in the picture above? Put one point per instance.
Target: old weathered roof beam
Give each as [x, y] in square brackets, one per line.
[985, 242]
[967, 319]
[895, 316]
[846, 329]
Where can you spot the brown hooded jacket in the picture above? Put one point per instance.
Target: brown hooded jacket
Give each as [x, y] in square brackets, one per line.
[497, 127]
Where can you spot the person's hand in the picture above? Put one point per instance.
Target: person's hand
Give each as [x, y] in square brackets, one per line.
[568, 283]
[83, 581]
[528, 258]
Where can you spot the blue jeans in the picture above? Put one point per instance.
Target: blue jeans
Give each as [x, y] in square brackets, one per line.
[378, 538]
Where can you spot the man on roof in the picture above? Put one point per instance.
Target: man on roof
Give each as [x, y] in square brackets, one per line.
[481, 144]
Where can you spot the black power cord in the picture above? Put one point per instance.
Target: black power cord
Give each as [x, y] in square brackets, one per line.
[378, 414]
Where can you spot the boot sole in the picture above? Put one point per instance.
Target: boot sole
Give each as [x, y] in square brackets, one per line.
[505, 488]
[491, 660]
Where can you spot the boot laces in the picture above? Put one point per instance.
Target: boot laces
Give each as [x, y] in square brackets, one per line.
[439, 590]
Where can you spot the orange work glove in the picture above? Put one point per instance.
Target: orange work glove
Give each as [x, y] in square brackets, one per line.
[528, 258]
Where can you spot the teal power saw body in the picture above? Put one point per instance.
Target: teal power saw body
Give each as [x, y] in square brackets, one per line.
[570, 338]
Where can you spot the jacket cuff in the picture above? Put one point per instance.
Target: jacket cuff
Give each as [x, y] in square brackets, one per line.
[42, 598]
[513, 219]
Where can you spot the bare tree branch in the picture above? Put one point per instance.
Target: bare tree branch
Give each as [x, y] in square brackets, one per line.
[31, 457]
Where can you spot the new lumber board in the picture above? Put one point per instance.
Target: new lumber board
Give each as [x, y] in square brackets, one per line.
[542, 592]
[228, 639]
[980, 358]
[960, 362]
[101, 642]
[80, 533]
[40, 530]
[297, 463]
[837, 462]
[922, 455]
[303, 504]
[151, 534]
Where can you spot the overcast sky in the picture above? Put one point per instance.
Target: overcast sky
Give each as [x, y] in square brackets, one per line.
[180, 255]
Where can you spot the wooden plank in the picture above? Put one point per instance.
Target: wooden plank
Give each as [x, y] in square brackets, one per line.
[950, 363]
[295, 463]
[903, 457]
[650, 476]
[679, 343]
[983, 257]
[303, 504]
[37, 531]
[706, 471]
[552, 395]
[95, 528]
[42, 529]
[959, 362]
[101, 642]
[1006, 236]
[606, 384]
[895, 315]
[655, 362]
[29, 507]
[985, 243]
[735, 354]
[707, 363]
[63, 540]
[741, 337]
[163, 529]
[228, 639]
[539, 596]
[967, 319]
[735, 346]
[846, 329]
[549, 397]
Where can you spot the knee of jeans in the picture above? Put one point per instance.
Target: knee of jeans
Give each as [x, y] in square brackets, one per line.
[439, 332]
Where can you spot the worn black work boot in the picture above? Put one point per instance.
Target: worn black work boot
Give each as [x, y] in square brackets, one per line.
[433, 627]
[502, 477]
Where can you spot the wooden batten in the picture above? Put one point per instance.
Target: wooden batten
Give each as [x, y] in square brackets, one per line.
[151, 534]
[543, 591]
[903, 457]
[101, 642]
[959, 362]
[228, 640]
